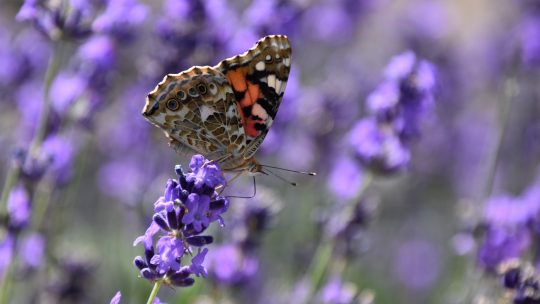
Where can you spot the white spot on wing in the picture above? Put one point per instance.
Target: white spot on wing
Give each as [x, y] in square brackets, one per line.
[272, 81]
[259, 111]
[205, 112]
[260, 66]
[278, 86]
[287, 61]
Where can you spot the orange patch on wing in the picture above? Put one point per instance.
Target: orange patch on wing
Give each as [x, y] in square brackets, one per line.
[250, 130]
[238, 79]
[253, 92]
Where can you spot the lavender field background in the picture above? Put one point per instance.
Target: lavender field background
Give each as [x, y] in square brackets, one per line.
[421, 119]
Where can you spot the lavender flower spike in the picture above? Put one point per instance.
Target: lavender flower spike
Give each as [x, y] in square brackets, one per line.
[187, 208]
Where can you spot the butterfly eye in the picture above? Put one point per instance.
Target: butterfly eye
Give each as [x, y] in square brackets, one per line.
[181, 95]
[202, 89]
[192, 92]
[173, 105]
[268, 59]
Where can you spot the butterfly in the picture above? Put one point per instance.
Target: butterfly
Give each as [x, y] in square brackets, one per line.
[224, 112]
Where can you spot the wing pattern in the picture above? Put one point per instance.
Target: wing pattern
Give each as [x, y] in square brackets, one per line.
[223, 112]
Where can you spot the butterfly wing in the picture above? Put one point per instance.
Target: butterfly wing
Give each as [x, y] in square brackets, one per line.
[258, 78]
[197, 111]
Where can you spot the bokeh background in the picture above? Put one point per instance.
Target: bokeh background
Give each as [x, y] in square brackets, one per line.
[421, 119]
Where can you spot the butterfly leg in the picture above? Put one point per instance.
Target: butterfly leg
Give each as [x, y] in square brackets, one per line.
[230, 181]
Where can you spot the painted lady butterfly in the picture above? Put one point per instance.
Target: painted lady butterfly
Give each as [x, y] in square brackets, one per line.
[224, 112]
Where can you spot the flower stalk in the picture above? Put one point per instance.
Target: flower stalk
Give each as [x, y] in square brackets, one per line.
[154, 292]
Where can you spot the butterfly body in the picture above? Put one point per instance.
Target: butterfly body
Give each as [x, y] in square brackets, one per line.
[225, 111]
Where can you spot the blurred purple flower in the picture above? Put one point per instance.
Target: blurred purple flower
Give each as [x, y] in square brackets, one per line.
[345, 179]
[18, 207]
[120, 19]
[112, 180]
[97, 56]
[187, 30]
[377, 147]
[32, 250]
[58, 19]
[60, 151]
[266, 17]
[328, 21]
[338, 292]
[230, 265]
[426, 20]
[118, 296]
[29, 110]
[6, 252]
[502, 243]
[417, 264]
[66, 89]
[14, 66]
[400, 66]
[396, 107]
[508, 211]
[71, 281]
[530, 39]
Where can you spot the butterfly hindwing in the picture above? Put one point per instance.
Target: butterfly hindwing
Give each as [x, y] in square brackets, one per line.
[258, 79]
[197, 111]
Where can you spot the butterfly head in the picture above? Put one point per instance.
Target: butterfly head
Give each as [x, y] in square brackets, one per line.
[253, 167]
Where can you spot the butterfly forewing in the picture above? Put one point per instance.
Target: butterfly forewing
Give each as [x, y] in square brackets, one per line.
[258, 78]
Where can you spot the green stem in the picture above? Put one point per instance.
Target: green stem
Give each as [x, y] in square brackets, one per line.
[13, 173]
[510, 90]
[5, 284]
[11, 180]
[323, 254]
[154, 292]
[50, 74]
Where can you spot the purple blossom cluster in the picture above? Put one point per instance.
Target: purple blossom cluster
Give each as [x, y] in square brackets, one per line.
[188, 207]
[396, 108]
[237, 261]
[511, 223]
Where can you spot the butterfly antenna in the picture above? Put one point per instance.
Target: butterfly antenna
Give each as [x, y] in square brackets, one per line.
[252, 196]
[280, 177]
[289, 170]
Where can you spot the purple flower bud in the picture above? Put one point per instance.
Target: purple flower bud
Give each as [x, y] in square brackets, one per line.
[6, 251]
[33, 250]
[512, 278]
[161, 221]
[117, 297]
[65, 19]
[149, 274]
[200, 240]
[184, 282]
[120, 19]
[181, 274]
[140, 263]
[173, 220]
[18, 208]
